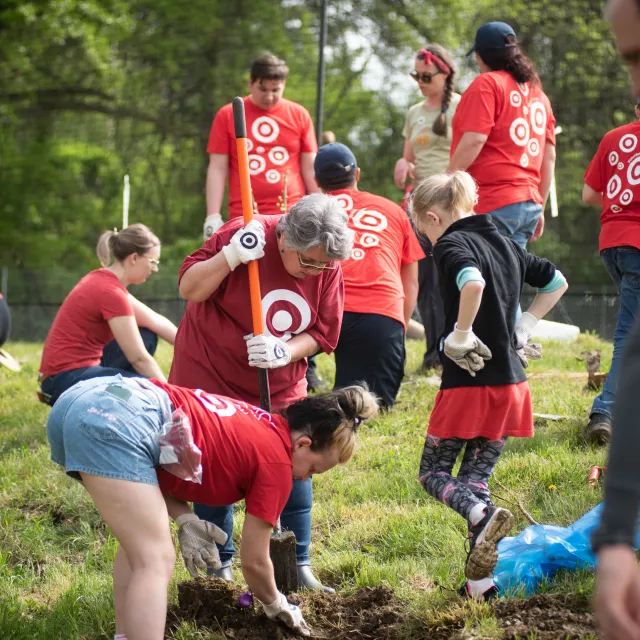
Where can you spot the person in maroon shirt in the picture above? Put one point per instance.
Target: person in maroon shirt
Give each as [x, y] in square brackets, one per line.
[113, 434]
[302, 303]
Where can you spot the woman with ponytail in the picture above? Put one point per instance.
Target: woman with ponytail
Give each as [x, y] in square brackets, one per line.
[427, 146]
[101, 329]
[504, 135]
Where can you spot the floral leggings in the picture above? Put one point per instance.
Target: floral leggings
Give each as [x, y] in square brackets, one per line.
[471, 486]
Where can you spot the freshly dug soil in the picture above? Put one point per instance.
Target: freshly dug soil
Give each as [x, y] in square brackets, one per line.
[369, 613]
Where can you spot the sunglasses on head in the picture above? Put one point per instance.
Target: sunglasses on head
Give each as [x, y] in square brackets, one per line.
[424, 77]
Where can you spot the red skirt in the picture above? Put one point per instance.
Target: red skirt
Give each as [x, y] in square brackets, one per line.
[488, 412]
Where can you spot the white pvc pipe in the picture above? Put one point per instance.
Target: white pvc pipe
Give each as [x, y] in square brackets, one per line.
[125, 202]
[553, 194]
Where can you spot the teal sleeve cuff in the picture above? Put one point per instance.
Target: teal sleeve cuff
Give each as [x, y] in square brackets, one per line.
[557, 281]
[468, 274]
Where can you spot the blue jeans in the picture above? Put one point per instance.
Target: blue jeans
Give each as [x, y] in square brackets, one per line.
[623, 265]
[296, 517]
[517, 221]
[113, 363]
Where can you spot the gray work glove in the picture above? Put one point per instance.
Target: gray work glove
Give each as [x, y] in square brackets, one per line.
[246, 244]
[290, 614]
[198, 543]
[526, 349]
[466, 350]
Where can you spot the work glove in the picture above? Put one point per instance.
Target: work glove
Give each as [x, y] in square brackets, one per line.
[267, 352]
[526, 349]
[211, 225]
[466, 350]
[198, 543]
[247, 244]
[290, 614]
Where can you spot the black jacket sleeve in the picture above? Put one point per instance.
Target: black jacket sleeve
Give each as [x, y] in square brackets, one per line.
[622, 479]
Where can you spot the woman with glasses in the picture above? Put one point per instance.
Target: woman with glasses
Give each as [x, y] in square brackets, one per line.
[427, 145]
[101, 329]
[302, 293]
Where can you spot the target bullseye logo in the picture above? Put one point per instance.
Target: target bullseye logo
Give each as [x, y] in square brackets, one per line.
[620, 166]
[615, 208]
[370, 220]
[538, 117]
[257, 164]
[278, 156]
[249, 145]
[519, 131]
[633, 171]
[369, 240]
[220, 406]
[278, 351]
[524, 160]
[533, 147]
[249, 240]
[358, 254]
[345, 201]
[273, 176]
[613, 158]
[628, 143]
[282, 321]
[626, 197]
[515, 98]
[613, 187]
[265, 129]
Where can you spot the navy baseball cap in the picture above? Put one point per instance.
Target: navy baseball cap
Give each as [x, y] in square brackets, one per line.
[492, 36]
[334, 160]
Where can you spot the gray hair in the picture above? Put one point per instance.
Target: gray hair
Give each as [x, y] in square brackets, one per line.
[318, 219]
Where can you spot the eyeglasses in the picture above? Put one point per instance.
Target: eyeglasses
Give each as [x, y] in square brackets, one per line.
[303, 262]
[425, 77]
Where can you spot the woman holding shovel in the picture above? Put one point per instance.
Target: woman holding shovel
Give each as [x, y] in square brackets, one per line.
[302, 303]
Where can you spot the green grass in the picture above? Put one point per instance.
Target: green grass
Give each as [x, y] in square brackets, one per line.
[372, 522]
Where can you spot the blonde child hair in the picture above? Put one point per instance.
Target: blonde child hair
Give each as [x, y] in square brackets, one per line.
[455, 194]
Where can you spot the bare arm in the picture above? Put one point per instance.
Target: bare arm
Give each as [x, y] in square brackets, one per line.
[409, 276]
[217, 174]
[302, 346]
[149, 319]
[203, 278]
[544, 302]
[404, 166]
[308, 173]
[254, 556]
[175, 507]
[546, 171]
[470, 299]
[125, 331]
[592, 197]
[467, 151]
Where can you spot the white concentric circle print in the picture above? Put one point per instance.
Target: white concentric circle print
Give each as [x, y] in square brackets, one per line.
[633, 171]
[533, 147]
[278, 155]
[249, 145]
[613, 187]
[370, 220]
[220, 406]
[515, 98]
[626, 197]
[260, 150]
[524, 160]
[615, 208]
[265, 129]
[538, 117]
[345, 201]
[613, 158]
[519, 131]
[257, 164]
[620, 166]
[524, 88]
[273, 176]
[358, 254]
[369, 240]
[282, 320]
[628, 143]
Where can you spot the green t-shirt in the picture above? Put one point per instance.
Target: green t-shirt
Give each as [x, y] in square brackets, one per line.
[431, 152]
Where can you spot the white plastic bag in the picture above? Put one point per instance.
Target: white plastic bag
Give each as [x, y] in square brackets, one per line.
[179, 455]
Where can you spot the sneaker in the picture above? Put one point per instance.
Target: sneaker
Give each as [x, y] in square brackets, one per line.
[467, 591]
[598, 430]
[483, 542]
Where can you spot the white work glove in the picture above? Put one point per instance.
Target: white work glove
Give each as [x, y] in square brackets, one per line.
[247, 244]
[290, 614]
[526, 349]
[198, 542]
[267, 352]
[466, 350]
[211, 225]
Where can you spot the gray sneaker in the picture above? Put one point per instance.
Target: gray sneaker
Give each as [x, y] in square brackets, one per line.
[598, 430]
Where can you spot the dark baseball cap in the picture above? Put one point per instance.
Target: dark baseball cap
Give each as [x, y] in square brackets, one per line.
[334, 160]
[492, 36]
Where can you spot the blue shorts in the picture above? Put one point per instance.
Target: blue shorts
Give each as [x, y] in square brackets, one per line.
[107, 427]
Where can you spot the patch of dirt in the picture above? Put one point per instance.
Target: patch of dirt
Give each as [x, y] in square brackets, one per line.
[370, 613]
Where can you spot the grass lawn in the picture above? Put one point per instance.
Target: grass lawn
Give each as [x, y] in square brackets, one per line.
[372, 522]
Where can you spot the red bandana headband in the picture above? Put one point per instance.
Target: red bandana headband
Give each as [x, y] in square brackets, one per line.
[431, 57]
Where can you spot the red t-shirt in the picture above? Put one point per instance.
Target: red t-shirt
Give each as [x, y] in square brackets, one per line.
[615, 172]
[519, 122]
[246, 453]
[384, 242]
[276, 137]
[210, 352]
[80, 329]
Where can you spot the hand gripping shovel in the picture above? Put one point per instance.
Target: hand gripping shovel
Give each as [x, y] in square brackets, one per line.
[283, 545]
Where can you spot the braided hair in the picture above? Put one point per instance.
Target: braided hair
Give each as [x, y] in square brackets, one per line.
[440, 123]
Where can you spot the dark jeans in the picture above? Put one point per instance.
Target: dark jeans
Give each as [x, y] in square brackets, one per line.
[113, 363]
[296, 517]
[371, 349]
[430, 304]
[623, 265]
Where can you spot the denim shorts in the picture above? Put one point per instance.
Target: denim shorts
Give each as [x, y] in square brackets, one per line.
[108, 427]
